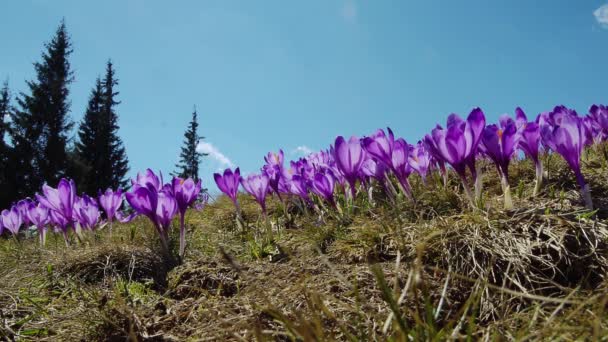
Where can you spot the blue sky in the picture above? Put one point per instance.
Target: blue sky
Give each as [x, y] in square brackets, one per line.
[277, 74]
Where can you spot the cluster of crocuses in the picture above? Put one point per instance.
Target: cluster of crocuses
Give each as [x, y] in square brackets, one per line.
[162, 202]
[357, 164]
[62, 209]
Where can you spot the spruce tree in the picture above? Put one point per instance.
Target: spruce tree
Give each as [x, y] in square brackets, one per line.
[100, 151]
[8, 187]
[41, 125]
[190, 157]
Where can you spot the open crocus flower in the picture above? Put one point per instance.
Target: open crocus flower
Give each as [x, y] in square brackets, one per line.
[257, 186]
[323, 185]
[228, 183]
[148, 177]
[457, 145]
[419, 159]
[380, 146]
[39, 216]
[12, 220]
[60, 202]
[185, 192]
[499, 144]
[564, 133]
[86, 212]
[529, 143]
[349, 157]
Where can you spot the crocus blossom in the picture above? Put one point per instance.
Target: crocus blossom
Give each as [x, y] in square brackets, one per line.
[60, 202]
[148, 177]
[457, 144]
[380, 146]
[186, 192]
[86, 212]
[323, 185]
[529, 143]
[349, 157]
[563, 131]
[12, 220]
[228, 183]
[110, 202]
[499, 143]
[257, 186]
[419, 159]
[39, 216]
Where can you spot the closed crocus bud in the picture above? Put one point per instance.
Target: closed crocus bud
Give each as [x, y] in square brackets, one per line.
[111, 201]
[419, 159]
[12, 220]
[349, 156]
[380, 146]
[86, 212]
[257, 186]
[564, 132]
[323, 185]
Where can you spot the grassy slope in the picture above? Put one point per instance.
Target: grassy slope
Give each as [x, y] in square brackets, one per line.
[434, 270]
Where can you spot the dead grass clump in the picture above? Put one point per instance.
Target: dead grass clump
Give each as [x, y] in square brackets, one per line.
[193, 280]
[107, 263]
[532, 252]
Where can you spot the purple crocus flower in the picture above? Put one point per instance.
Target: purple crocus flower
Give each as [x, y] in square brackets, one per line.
[529, 143]
[299, 187]
[144, 200]
[380, 146]
[599, 115]
[499, 144]
[148, 177]
[374, 169]
[39, 216]
[111, 201]
[12, 220]
[166, 210]
[86, 212]
[60, 201]
[228, 183]
[349, 156]
[323, 185]
[23, 206]
[400, 166]
[457, 145]
[257, 186]
[564, 133]
[419, 159]
[185, 192]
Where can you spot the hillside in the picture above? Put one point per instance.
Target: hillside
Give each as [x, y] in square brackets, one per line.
[430, 270]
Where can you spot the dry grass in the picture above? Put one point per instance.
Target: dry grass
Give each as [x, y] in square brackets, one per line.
[434, 270]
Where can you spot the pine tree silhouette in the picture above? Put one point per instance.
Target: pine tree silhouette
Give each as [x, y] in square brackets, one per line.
[190, 157]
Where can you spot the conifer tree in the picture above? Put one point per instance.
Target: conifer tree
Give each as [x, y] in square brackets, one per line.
[40, 126]
[100, 151]
[8, 187]
[190, 157]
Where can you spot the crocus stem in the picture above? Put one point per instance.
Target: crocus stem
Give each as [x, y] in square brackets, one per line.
[506, 188]
[66, 239]
[467, 191]
[182, 235]
[587, 196]
[110, 228]
[478, 185]
[539, 178]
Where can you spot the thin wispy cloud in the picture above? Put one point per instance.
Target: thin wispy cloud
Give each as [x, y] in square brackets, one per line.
[302, 150]
[349, 11]
[214, 153]
[601, 15]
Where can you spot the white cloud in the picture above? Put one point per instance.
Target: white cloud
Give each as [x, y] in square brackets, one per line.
[349, 11]
[601, 15]
[303, 150]
[214, 153]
